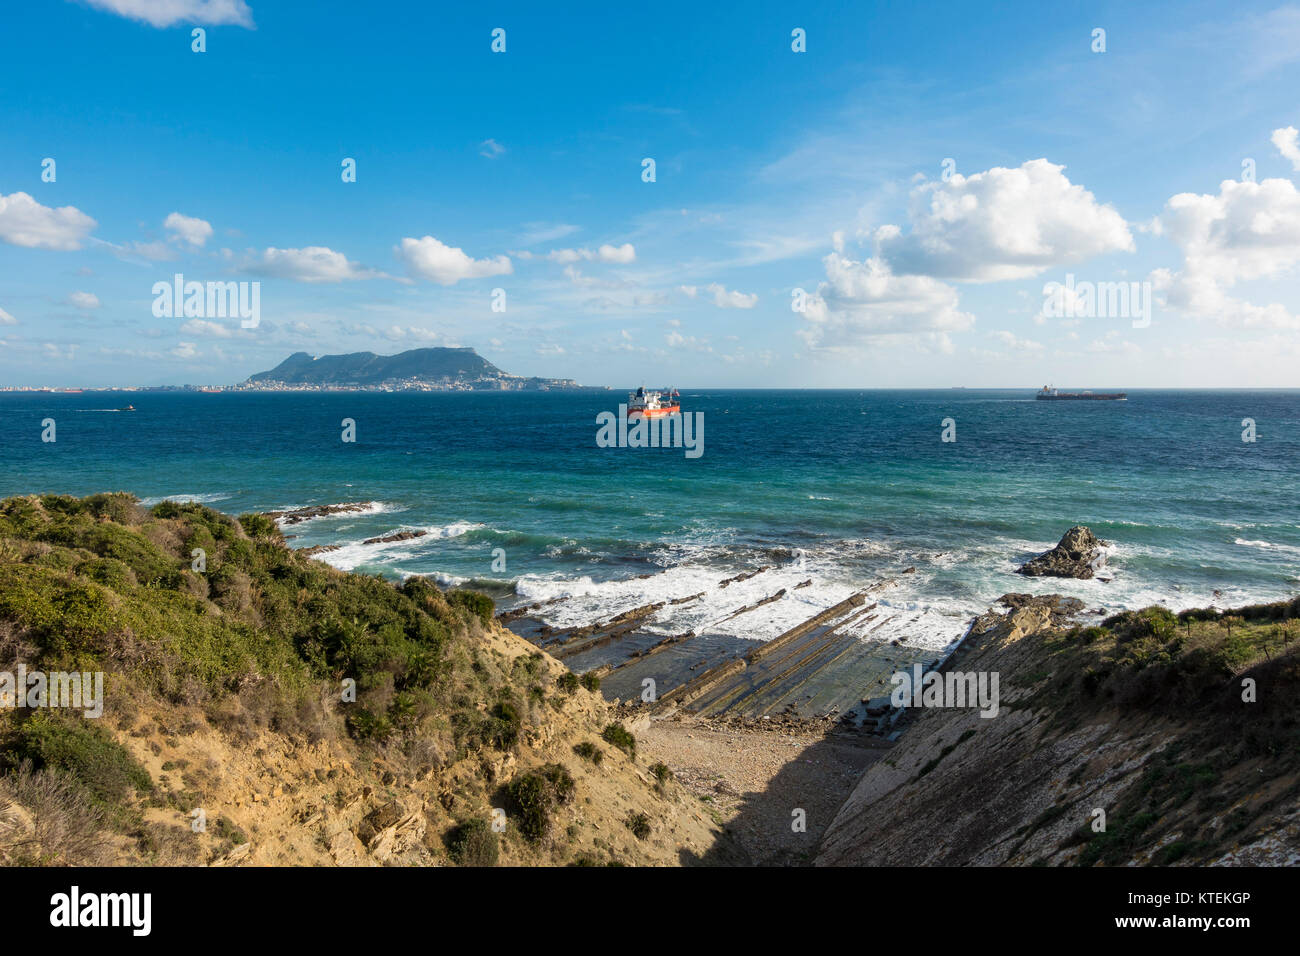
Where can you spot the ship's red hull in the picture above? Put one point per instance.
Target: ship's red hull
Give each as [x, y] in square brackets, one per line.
[653, 412]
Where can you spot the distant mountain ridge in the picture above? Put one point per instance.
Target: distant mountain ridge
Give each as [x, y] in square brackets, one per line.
[433, 367]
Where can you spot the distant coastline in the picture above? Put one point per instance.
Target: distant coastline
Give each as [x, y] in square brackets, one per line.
[415, 370]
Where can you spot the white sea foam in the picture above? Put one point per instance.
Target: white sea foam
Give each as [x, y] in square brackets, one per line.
[357, 553]
[202, 499]
[369, 508]
[1267, 546]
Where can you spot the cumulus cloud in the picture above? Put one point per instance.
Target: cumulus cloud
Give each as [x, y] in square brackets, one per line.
[1287, 142]
[725, 299]
[865, 303]
[1248, 231]
[164, 13]
[196, 232]
[1002, 224]
[428, 258]
[6, 318]
[312, 264]
[84, 300]
[25, 222]
[184, 350]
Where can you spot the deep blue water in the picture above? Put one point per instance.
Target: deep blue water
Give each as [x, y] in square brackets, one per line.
[841, 486]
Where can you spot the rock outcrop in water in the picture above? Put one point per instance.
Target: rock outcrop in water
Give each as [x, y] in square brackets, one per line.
[1077, 555]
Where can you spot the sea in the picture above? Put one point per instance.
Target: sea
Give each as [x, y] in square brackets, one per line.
[828, 491]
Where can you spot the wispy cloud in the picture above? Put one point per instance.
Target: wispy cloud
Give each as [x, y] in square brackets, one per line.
[165, 13]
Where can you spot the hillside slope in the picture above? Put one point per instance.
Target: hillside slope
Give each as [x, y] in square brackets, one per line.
[1142, 717]
[227, 735]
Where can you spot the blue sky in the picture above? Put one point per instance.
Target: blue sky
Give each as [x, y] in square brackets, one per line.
[775, 170]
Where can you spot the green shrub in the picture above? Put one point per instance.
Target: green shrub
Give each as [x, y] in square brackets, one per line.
[503, 725]
[639, 824]
[662, 773]
[589, 751]
[110, 572]
[473, 843]
[226, 830]
[260, 526]
[567, 682]
[475, 602]
[620, 737]
[534, 796]
[84, 752]
[590, 681]
[561, 781]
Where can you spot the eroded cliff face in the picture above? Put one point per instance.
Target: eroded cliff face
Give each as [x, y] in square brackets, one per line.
[1142, 719]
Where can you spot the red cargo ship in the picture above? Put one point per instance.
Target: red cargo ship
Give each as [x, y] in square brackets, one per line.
[645, 403]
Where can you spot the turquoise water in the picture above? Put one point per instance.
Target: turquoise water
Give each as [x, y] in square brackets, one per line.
[841, 487]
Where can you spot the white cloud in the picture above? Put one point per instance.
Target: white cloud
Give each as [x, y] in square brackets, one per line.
[1016, 344]
[153, 251]
[620, 254]
[398, 333]
[203, 327]
[183, 350]
[490, 148]
[678, 341]
[164, 13]
[731, 300]
[55, 351]
[188, 229]
[430, 259]
[1112, 344]
[1287, 142]
[25, 222]
[312, 264]
[545, 232]
[1248, 231]
[864, 303]
[84, 300]
[1002, 224]
[6, 318]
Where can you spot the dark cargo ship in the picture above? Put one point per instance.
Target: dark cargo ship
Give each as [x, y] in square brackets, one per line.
[1049, 394]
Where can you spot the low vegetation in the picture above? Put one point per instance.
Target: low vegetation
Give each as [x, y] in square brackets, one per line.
[620, 737]
[534, 796]
[190, 611]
